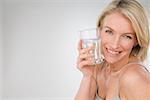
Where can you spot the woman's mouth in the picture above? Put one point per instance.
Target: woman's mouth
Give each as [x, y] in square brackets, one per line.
[113, 52]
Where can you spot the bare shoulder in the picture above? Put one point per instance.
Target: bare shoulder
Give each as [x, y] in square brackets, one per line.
[135, 82]
[135, 72]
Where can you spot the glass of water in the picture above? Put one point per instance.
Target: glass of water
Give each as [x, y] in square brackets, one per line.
[90, 37]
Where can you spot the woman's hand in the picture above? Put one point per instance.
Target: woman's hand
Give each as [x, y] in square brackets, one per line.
[85, 63]
[85, 60]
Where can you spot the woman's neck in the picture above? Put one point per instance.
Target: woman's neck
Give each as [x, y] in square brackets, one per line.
[115, 67]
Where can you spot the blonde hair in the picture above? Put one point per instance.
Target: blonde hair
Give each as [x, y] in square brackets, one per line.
[136, 14]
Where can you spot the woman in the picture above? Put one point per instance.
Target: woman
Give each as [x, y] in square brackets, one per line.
[124, 31]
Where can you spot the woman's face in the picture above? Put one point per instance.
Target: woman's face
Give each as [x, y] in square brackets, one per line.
[117, 38]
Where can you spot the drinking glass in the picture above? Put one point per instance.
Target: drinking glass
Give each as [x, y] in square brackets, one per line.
[90, 37]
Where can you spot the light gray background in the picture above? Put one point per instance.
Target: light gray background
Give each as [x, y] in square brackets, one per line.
[0, 50]
[38, 41]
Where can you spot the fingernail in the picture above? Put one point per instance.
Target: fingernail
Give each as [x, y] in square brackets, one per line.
[91, 51]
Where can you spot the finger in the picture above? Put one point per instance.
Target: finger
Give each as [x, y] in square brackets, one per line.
[80, 45]
[79, 60]
[86, 50]
[85, 63]
[86, 56]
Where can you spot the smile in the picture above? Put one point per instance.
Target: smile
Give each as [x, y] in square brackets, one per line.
[113, 52]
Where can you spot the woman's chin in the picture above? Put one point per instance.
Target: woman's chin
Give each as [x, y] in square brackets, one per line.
[111, 60]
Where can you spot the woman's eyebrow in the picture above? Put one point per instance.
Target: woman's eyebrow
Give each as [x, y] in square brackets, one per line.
[108, 27]
[114, 30]
[129, 33]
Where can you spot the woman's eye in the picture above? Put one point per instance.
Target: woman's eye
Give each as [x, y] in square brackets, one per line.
[108, 31]
[128, 37]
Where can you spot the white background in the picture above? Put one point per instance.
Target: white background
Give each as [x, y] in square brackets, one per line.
[38, 41]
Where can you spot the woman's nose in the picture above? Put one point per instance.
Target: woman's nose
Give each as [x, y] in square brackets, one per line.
[115, 43]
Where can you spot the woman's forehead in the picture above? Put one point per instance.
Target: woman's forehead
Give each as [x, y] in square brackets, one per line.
[118, 22]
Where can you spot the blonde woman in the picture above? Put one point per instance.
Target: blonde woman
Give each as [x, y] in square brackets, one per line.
[124, 31]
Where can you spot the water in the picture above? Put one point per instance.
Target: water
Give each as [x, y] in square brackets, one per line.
[97, 53]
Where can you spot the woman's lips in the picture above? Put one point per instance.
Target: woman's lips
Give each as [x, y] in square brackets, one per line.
[112, 52]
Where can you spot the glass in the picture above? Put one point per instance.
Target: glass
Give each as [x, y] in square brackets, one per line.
[90, 37]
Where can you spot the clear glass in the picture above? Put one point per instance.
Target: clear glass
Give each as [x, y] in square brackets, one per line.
[90, 37]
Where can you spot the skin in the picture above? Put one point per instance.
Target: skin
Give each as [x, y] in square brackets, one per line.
[117, 41]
